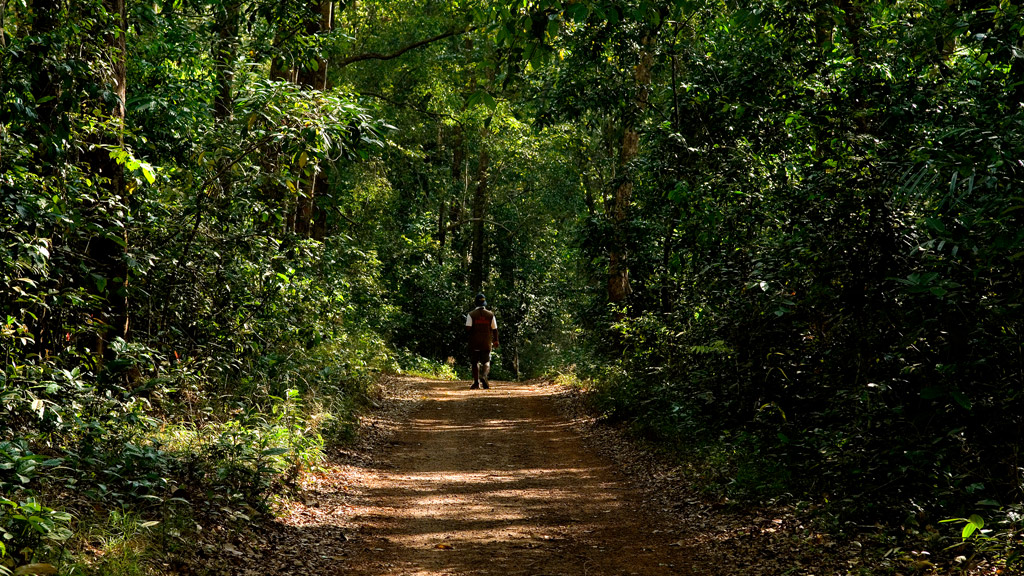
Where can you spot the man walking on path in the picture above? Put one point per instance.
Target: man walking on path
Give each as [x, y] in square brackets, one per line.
[483, 335]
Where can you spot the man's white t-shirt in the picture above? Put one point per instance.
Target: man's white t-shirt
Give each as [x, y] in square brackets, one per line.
[469, 322]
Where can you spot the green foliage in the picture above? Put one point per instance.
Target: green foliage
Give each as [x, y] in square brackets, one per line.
[185, 321]
[818, 207]
[26, 526]
[416, 365]
[18, 465]
[1001, 538]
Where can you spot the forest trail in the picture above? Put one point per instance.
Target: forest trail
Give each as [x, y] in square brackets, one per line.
[475, 482]
[497, 482]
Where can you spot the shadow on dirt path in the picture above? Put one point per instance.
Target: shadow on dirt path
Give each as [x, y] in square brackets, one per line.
[497, 482]
[456, 482]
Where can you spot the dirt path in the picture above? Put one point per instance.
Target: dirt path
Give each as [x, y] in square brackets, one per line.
[467, 483]
[496, 482]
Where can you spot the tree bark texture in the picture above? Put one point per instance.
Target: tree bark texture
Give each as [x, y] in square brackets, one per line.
[618, 268]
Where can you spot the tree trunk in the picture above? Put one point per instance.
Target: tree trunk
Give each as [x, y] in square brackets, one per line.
[515, 304]
[442, 228]
[852, 18]
[306, 211]
[119, 80]
[280, 69]
[677, 173]
[823, 26]
[666, 260]
[224, 53]
[3, 28]
[618, 263]
[478, 267]
[45, 14]
[106, 253]
[447, 210]
[618, 268]
[321, 24]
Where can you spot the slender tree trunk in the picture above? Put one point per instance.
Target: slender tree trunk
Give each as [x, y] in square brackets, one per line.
[852, 18]
[618, 265]
[666, 260]
[106, 253]
[669, 244]
[320, 24]
[588, 194]
[119, 70]
[675, 91]
[478, 266]
[224, 53]
[947, 41]
[317, 79]
[618, 269]
[45, 14]
[515, 308]
[442, 228]
[448, 212]
[304, 207]
[824, 26]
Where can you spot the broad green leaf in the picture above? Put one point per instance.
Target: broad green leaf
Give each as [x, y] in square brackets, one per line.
[148, 172]
[577, 12]
[961, 399]
[481, 97]
[974, 523]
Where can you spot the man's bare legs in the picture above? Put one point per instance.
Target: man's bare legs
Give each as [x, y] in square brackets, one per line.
[480, 361]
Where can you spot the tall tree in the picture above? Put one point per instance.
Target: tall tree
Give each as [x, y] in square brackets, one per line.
[224, 53]
[478, 264]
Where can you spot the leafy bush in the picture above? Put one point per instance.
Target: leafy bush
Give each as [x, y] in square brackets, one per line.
[26, 525]
[417, 365]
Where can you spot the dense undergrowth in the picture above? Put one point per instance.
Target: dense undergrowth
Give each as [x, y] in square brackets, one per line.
[100, 474]
[100, 478]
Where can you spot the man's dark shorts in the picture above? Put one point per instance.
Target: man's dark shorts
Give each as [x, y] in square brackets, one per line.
[480, 356]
